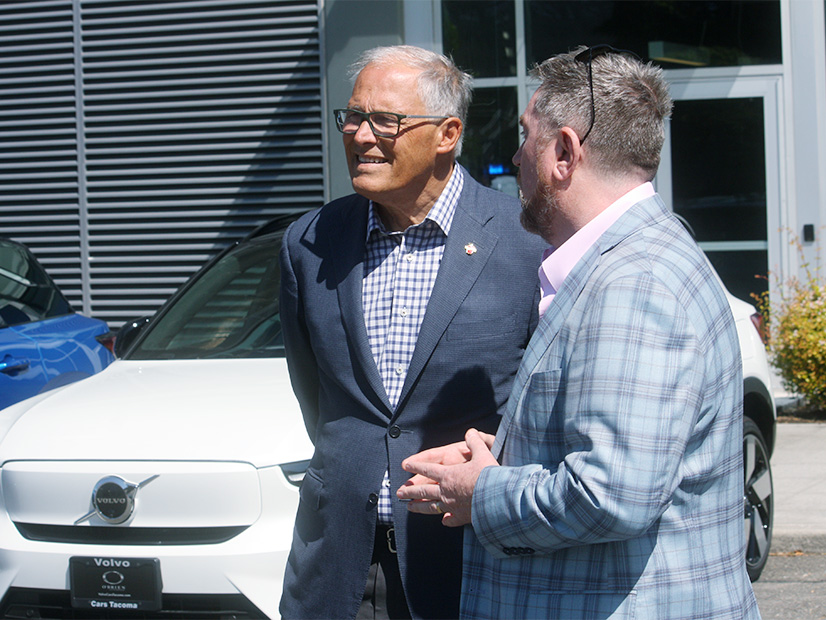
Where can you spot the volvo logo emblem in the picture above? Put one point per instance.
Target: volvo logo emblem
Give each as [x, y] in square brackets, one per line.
[113, 499]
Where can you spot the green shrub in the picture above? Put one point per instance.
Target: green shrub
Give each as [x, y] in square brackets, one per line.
[795, 327]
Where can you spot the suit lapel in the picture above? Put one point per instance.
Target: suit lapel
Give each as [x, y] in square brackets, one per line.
[637, 217]
[543, 337]
[347, 247]
[468, 248]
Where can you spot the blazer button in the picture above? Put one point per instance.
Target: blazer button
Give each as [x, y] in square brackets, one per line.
[372, 499]
[394, 431]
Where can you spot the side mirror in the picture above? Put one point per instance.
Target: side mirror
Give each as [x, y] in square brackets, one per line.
[129, 331]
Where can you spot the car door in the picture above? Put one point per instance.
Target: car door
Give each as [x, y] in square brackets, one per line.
[21, 373]
[34, 317]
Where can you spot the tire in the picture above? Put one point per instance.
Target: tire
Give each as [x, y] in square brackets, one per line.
[758, 499]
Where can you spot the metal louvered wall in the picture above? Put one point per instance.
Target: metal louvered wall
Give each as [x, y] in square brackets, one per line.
[139, 138]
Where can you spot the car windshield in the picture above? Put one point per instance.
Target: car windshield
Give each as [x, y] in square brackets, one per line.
[26, 292]
[230, 311]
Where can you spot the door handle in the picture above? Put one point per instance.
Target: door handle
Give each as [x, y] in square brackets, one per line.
[10, 365]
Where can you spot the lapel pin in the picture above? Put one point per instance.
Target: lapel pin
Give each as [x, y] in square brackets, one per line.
[470, 249]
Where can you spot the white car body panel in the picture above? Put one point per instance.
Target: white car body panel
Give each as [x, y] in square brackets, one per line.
[213, 431]
[251, 563]
[225, 410]
[182, 495]
[752, 350]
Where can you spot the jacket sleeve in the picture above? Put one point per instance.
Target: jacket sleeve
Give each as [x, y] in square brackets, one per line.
[602, 428]
[300, 357]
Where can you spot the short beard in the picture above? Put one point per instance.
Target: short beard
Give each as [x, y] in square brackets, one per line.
[538, 212]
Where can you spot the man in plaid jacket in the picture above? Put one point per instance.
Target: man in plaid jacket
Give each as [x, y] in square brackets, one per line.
[613, 487]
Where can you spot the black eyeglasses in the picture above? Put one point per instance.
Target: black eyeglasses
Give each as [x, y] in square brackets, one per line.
[382, 124]
[587, 56]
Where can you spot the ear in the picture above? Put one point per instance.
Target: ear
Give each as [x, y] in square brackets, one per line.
[449, 134]
[568, 153]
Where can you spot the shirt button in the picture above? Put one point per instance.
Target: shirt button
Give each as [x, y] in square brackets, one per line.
[399, 370]
[403, 312]
[409, 257]
[394, 431]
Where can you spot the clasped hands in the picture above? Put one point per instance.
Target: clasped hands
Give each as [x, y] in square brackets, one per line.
[444, 477]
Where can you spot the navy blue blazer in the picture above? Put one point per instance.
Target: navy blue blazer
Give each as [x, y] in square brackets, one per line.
[479, 320]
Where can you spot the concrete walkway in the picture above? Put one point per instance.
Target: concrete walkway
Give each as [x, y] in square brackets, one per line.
[799, 476]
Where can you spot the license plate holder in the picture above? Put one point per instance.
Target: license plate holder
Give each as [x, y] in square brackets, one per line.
[115, 583]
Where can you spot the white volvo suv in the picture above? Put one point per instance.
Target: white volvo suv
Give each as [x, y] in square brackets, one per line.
[167, 485]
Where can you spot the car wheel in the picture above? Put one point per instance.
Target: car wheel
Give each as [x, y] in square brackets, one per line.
[758, 498]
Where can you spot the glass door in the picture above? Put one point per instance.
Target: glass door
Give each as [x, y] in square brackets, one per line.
[720, 171]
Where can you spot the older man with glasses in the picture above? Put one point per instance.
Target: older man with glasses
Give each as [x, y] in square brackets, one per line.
[406, 308]
[614, 485]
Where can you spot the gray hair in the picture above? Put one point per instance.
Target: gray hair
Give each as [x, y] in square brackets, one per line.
[631, 102]
[444, 89]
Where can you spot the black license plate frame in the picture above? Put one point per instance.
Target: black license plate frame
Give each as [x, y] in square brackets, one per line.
[108, 583]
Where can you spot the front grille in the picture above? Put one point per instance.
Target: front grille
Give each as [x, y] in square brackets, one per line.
[94, 535]
[20, 603]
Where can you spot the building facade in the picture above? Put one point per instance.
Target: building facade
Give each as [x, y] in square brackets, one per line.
[745, 155]
[139, 138]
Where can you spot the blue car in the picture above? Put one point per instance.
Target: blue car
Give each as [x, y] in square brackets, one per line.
[44, 344]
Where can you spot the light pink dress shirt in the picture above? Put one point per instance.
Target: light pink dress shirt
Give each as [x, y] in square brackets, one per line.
[558, 262]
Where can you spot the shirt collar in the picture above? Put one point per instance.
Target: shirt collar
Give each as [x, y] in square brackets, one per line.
[557, 263]
[441, 213]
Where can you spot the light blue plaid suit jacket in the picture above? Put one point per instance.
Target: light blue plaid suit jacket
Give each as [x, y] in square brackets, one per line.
[621, 490]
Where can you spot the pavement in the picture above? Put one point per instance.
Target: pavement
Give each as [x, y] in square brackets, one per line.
[792, 585]
[799, 475]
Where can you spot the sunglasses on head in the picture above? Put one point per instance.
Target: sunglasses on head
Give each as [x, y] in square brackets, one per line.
[587, 56]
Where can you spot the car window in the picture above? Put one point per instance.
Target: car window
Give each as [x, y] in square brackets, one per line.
[26, 292]
[230, 311]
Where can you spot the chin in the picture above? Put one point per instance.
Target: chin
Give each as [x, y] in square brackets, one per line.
[537, 213]
[366, 188]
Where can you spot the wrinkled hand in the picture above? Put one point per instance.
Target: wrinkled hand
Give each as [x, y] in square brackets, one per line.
[444, 478]
[451, 454]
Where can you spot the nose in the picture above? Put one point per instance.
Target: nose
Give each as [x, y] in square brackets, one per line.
[364, 134]
[517, 157]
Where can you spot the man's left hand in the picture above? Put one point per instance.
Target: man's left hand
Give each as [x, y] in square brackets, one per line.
[439, 488]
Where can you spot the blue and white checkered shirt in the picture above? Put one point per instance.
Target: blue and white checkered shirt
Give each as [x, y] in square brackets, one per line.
[399, 272]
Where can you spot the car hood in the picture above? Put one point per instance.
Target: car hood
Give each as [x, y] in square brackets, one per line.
[206, 410]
